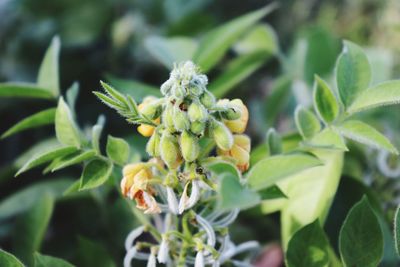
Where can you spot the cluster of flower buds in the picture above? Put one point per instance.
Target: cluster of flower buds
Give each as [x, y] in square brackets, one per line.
[187, 122]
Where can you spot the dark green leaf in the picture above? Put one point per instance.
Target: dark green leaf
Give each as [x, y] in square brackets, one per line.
[72, 95]
[70, 160]
[95, 173]
[274, 142]
[93, 254]
[117, 150]
[325, 102]
[307, 123]
[48, 261]
[9, 260]
[360, 239]
[220, 167]
[277, 99]
[272, 192]
[48, 73]
[24, 90]
[67, 131]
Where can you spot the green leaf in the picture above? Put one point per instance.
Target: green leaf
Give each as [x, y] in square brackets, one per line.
[360, 239]
[216, 43]
[353, 72]
[72, 96]
[31, 228]
[328, 138]
[95, 173]
[67, 131]
[117, 150]
[96, 133]
[41, 118]
[220, 167]
[46, 157]
[262, 38]
[365, 134]
[274, 142]
[325, 102]
[9, 260]
[48, 76]
[24, 90]
[308, 247]
[24, 199]
[306, 122]
[272, 192]
[93, 254]
[277, 100]
[383, 94]
[171, 50]
[238, 70]
[397, 230]
[271, 170]
[70, 160]
[49, 261]
[233, 195]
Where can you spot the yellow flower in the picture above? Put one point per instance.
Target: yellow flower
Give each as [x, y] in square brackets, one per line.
[239, 125]
[240, 151]
[144, 129]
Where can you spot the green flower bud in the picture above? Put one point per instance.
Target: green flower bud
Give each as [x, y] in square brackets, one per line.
[232, 112]
[207, 99]
[197, 127]
[168, 116]
[166, 87]
[221, 135]
[178, 91]
[169, 150]
[181, 119]
[153, 145]
[197, 112]
[189, 146]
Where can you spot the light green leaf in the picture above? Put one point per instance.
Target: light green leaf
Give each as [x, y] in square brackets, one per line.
[383, 94]
[96, 133]
[353, 72]
[216, 43]
[31, 228]
[48, 76]
[9, 260]
[70, 160]
[46, 157]
[306, 122]
[238, 70]
[325, 102]
[220, 167]
[233, 195]
[397, 230]
[365, 134]
[41, 118]
[24, 199]
[49, 261]
[274, 142]
[72, 96]
[271, 170]
[95, 173]
[272, 192]
[328, 138]
[262, 38]
[24, 90]
[67, 131]
[117, 150]
[171, 50]
[360, 239]
[308, 247]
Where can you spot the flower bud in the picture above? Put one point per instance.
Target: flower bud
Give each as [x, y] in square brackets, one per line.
[181, 120]
[168, 116]
[231, 113]
[169, 150]
[149, 107]
[221, 135]
[199, 262]
[129, 172]
[153, 145]
[166, 87]
[178, 91]
[147, 130]
[207, 99]
[163, 252]
[197, 127]
[239, 125]
[189, 146]
[197, 112]
[240, 151]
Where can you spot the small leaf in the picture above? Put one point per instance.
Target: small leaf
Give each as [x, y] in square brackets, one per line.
[171, 50]
[365, 134]
[353, 72]
[48, 261]
[46, 157]
[70, 160]
[306, 122]
[262, 38]
[397, 230]
[274, 142]
[360, 239]
[96, 133]
[67, 131]
[24, 90]
[269, 171]
[220, 167]
[238, 70]
[72, 95]
[48, 76]
[9, 260]
[272, 192]
[95, 173]
[216, 43]
[117, 150]
[233, 195]
[309, 247]
[383, 94]
[328, 139]
[41, 118]
[325, 102]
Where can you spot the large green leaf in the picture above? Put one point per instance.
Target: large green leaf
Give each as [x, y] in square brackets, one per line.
[239, 69]
[325, 102]
[41, 118]
[386, 93]
[134, 88]
[262, 38]
[271, 170]
[48, 76]
[309, 247]
[171, 50]
[46, 157]
[117, 150]
[397, 230]
[24, 90]
[360, 239]
[95, 173]
[216, 43]
[93, 254]
[67, 131]
[70, 160]
[31, 228]
[49, 261]
[9, 260]
[353, 72]
[365, 134]
[272, 192]
[328, 138]
[306, 122]
[277, 100]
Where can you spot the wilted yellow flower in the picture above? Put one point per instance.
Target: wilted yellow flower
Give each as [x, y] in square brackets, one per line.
[148, 110]
[239, 125]
[240, 151]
